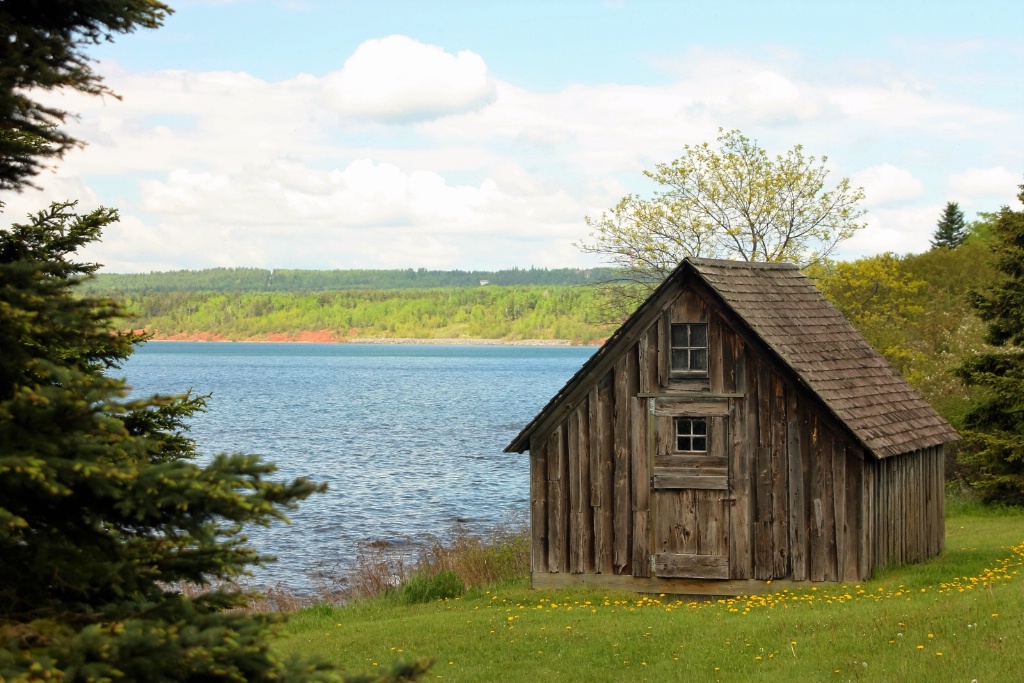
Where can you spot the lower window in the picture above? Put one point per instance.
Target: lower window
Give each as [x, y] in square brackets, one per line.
[692, 434]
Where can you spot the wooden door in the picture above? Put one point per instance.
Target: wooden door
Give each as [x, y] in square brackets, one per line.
[690, 497]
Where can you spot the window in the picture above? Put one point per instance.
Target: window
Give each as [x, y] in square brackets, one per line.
[692, 434]
[689, 348]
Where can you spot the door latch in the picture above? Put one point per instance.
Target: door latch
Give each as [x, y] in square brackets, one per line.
[727, 501]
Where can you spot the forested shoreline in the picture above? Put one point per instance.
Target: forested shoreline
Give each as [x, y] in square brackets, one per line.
[492, 312]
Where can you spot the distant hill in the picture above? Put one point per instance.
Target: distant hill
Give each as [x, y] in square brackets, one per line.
[283, 280]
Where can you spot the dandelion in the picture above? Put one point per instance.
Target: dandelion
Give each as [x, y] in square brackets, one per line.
[920, 647]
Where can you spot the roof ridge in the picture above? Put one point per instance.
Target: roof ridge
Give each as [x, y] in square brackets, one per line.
[728, 263]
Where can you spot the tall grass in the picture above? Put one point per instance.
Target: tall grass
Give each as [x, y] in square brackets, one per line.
[463, 557]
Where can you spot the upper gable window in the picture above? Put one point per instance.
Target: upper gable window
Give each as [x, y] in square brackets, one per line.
[689, 351]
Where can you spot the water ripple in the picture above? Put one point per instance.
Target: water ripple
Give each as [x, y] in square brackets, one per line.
[408, 438]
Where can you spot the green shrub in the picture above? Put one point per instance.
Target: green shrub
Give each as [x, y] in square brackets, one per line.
[422, 587]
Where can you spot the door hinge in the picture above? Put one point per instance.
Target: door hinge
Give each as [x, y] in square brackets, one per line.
[652, 564]
[727, 501]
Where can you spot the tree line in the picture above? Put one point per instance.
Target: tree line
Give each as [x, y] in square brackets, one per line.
[286, 280]
[510, 313]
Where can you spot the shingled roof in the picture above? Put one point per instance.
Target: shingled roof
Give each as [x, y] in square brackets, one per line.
[790, 315]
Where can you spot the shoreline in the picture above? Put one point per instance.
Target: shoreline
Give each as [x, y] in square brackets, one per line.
[383, 341]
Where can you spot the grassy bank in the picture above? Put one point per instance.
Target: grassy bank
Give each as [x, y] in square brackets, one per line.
[957, 617]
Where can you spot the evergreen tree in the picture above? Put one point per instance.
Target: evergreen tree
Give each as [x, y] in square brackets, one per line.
[116, 547]
[103, 514]
[105, 517]
[952, 228]
[995, 427]
[43, 48]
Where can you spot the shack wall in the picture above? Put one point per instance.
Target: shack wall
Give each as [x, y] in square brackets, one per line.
[808, 505]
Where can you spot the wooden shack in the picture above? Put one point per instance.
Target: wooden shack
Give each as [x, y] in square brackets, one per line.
[735, 429]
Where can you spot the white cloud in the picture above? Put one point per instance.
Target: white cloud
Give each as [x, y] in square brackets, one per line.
[901, 230]
[769, 97]
[886, 183]
[398, 79]
[221, 168]
[997, 186]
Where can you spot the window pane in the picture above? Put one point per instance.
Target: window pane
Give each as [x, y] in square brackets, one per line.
[699, 359]
[700, 427]
[680, 359]
[700, 443]
[683, 443]
[679, 335]
[699, 335]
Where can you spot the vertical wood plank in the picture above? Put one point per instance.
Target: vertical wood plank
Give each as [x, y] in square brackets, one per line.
[586, 521]
[740, 562]
[867, 536]
[839, 486]
[604, 557]
[764, 562]
[712, 534]
[574, 530]
[854, 522]
[729, 348]
[828, 506]
[623, 514]
[663, 351]
[779, 483]
[746, 470]
[716, 356]
[764, 565]
[933, 504]
[641, 488]
[684, 521]
[538, 506]
[558, 508]
[940, 476]
[797, 529]
[741, 516]
[817, 513]
[594, 423]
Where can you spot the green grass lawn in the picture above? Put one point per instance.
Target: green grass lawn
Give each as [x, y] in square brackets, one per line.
[957, 617]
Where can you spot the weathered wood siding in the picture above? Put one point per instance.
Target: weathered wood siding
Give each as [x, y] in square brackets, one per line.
[905, 502]
[805, 502]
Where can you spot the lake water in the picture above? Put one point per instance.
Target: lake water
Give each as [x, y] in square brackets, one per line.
[409, 438]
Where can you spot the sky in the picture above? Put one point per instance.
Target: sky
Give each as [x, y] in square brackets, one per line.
[479, 135]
